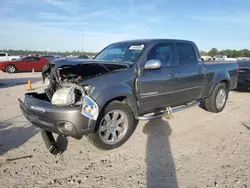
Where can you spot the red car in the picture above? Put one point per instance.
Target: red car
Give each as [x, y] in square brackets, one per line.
[24, 64]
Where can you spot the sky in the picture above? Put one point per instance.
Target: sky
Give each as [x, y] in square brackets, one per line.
[67, 25]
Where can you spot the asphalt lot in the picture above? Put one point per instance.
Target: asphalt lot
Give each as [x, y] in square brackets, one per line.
[193, 149]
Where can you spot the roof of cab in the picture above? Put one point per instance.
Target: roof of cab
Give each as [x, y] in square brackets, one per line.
[154, 40]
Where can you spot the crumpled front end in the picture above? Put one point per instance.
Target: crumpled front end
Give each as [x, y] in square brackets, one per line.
[68, 120]
[66, 107]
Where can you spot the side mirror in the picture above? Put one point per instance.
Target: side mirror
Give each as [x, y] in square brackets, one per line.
[153, 64]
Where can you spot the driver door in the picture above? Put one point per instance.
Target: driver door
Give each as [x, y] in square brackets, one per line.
[157, 86]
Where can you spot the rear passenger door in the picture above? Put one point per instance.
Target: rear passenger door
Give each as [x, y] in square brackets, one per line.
[191, 73]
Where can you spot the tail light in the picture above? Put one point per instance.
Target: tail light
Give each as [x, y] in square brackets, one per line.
[241, 69]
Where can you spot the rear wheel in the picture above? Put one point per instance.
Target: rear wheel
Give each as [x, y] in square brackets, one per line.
[10, 69]
[217, 99]
[114, 127]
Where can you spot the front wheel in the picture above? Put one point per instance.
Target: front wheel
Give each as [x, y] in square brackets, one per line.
[114, 126]
[217, 99]
[10, 69]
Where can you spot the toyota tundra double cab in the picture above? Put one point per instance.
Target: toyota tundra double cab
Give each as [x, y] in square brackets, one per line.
[105, 97]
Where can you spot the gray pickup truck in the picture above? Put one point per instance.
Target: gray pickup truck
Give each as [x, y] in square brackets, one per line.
[105, 97]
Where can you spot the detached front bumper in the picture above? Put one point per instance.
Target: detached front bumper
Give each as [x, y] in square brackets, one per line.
[66, 121]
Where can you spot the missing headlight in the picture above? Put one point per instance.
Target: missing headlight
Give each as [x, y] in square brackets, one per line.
[88, 89]
[68, 96]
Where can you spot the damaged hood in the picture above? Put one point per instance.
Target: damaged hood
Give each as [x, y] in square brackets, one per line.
[76, 70]
[75, 61]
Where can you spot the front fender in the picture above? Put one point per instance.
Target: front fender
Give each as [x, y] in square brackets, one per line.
[113, 92]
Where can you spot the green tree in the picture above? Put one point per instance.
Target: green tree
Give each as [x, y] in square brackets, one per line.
[203, 53]
[229, 53]
[241, 53]
[235, 53]
[213, 52]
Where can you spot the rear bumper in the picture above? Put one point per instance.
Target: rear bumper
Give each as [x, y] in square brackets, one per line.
[43, 114]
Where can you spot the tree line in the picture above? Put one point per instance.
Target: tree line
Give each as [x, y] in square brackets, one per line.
[212, 52]
[64, 54]
[229, 53]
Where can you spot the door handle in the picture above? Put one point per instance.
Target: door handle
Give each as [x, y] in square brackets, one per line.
[172, 74]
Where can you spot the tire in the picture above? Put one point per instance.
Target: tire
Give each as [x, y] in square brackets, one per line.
[100, 138]
[11, 69]
[220, 92]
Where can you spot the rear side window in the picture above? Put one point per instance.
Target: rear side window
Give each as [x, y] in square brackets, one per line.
[162, 52]
[2, 54]
[186, 54]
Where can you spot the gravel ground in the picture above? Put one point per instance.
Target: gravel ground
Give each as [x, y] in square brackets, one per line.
[195, 148]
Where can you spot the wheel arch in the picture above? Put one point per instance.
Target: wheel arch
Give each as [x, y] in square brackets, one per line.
[122, 94]
[9, 65]
[227, 83]
[222, 77]
[128, 100]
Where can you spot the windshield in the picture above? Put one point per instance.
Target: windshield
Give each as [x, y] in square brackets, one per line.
[122, 52]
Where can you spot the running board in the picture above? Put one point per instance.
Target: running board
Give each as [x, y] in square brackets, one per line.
[166, 112]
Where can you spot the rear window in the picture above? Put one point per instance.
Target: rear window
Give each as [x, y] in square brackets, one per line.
[2, 54]
[186, 54]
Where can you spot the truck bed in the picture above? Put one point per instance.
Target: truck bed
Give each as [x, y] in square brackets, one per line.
[226, 69]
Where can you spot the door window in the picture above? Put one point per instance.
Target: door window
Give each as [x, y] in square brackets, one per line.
[186, 54]
[164, 53]
[30, 59]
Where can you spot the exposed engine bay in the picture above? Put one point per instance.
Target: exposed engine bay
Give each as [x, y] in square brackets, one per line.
[63, 88]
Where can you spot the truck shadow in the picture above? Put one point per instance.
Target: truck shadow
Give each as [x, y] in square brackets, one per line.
[160, 163]
[13, 137]
[10, 82]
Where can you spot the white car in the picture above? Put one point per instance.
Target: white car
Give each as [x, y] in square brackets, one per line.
[7, 57]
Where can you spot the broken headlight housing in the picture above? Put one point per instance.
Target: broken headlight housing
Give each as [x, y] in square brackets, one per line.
[88, 89]
[68, 96]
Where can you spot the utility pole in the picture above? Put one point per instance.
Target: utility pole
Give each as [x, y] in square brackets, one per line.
[82, 45]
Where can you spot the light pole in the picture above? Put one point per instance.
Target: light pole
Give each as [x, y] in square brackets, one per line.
[82, 46]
